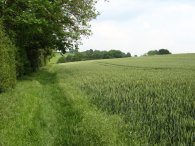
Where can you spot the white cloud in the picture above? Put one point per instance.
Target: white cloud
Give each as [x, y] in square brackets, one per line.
[141, 25]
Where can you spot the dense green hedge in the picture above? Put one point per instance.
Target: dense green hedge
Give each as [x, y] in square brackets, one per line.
[7, 62]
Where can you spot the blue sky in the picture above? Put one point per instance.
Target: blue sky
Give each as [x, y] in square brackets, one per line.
[137, 26]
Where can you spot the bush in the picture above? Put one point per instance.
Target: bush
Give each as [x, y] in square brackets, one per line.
[61, 60]
[7, 62]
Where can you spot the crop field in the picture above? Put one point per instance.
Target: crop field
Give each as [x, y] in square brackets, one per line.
[138, 101]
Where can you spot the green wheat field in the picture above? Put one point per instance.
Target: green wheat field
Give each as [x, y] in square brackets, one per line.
[137, 101]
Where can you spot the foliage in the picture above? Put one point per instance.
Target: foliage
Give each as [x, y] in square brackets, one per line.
[7, 62]
[158, 52]
[93, 54]
[37, 26]
[152, 52]
[164, 51]
[128, 54]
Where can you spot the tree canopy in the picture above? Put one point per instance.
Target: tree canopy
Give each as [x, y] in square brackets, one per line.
[158, 52]
[36, 27]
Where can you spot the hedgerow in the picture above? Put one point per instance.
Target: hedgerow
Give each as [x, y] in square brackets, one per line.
[7, 62]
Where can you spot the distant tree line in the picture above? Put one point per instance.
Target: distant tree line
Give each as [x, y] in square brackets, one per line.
[157, 52]
[92, 55]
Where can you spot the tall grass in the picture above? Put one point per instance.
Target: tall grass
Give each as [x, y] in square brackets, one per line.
[153, 95]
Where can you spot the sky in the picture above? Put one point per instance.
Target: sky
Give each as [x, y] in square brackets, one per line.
[137, 26]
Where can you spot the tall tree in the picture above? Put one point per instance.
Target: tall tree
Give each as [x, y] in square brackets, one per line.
[37, 26]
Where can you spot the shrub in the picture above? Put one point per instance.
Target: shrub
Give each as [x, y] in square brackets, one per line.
[7, 62]
[61, 60]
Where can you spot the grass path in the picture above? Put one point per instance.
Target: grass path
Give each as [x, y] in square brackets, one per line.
[43, 111]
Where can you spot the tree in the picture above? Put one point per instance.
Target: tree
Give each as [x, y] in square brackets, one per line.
[164, 51]
[158, 52]
[116, 54]
[36, 27]
[152, 52]
[128, 54]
